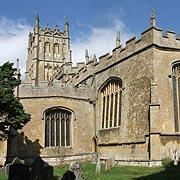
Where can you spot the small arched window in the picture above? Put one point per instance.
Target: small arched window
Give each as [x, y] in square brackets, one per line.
[47, 47]
[57, 127]
[111, 103]
[56, 48]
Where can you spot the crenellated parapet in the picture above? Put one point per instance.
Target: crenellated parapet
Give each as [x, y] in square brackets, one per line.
[151, 37]
[49, 50]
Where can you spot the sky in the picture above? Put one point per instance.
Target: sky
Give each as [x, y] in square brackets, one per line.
[93, 24]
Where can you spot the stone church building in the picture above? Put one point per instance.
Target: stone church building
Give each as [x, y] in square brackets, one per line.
[124, 105]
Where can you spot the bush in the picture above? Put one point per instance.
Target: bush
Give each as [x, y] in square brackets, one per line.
[167, 161]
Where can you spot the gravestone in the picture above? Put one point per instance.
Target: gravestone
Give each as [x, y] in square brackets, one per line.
[47, 173]
[40, 170]
[7, 168]
[108, 164]
[175, 156]
[76, 168]
[98, 164]
[18, 171]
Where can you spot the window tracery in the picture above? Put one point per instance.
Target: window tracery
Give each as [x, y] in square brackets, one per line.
[111, 104]
[57, 127]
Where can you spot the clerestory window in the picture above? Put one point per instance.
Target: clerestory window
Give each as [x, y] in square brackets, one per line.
[57, 127]
[111, 104]
[176, 93]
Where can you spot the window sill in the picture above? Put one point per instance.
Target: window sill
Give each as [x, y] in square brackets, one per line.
[108, 129]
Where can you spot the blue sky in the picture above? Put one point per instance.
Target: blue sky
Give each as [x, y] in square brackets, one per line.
[93, 23]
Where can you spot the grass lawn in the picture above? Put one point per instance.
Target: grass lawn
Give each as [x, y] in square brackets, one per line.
[122, 173]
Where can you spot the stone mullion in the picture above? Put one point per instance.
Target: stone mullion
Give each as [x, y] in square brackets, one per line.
[63, 128]
[60, 124]
[47, 138]
[54, 115]
[113, 104]
[178, 99]
[67, 129]
[65, 118]
[120, 106]
[108, 107]
[56, 127]
[115, 109]
[109, 111]
[118, 103]
[102, 109]
[105, 105]
[50, 129]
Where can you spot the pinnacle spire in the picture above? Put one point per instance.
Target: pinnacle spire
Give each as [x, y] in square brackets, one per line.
[94, 58]
[153, 18]
[67, 26]
[86, 56]
[57, 27]
[37, 15]
[118, 41]
[66, 20]
[37, 19]
[18, 70]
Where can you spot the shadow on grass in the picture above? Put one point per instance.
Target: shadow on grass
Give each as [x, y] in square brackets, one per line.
[169, 173]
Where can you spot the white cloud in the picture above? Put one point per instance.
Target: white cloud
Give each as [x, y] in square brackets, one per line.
[13, 41]
[99, 41]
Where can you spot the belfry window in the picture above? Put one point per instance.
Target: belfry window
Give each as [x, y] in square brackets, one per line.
[176, 93]
[56, 48]
[47, 47]
[111, 104]
[57, 127]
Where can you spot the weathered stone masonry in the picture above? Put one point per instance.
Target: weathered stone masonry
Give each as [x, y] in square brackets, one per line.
[123, 105]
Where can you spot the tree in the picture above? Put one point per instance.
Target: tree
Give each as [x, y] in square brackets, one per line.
[12, 113]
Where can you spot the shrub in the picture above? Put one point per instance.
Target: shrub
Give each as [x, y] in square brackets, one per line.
[167, 161]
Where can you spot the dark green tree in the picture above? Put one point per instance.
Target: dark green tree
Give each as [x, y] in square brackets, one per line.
[12, 113]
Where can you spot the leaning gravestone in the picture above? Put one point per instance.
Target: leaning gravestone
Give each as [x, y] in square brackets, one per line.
[18, 171]
[76, 168]
[7, 168]
[40, 170]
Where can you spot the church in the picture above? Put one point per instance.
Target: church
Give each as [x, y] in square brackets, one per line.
[123, 105]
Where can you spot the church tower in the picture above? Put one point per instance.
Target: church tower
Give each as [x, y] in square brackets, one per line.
[48, 50]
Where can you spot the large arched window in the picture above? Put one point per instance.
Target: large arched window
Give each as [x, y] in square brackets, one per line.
[111, 103]
[176, 92]
[57, 127]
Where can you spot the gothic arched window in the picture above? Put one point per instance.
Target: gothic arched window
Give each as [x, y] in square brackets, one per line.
[56, 48]
[57, 127]
[47, 47]
[176, 93]
[111, 103]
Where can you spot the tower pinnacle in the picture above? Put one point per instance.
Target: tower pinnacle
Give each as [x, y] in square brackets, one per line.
[153, 19]
[37, 21]
[87, 56]
[118, 41]
[67, 27]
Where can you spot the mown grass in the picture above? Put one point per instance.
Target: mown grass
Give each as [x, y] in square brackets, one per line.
[126, 173]
[122, 173]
